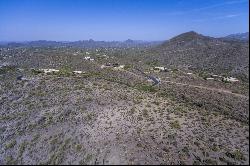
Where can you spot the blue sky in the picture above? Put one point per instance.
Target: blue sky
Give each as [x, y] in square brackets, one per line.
[22, 20]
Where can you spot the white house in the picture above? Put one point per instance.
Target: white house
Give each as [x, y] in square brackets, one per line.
[78, 72]
[49, 70]
[121, 66]
[160, 68]
[87, 58]
[230, 79]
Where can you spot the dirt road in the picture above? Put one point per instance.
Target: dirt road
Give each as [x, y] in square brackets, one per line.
[197, 86]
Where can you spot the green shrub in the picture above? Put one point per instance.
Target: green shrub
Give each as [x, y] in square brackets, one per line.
[132, 111]
[175, 124]
[126, 67]
[175, 70]
[145, 113]
[146, 88]
[204, 75]
[5, 69]
[10, 145]
[238, 155]
[156, 103]
[36, 72]
[78, 147]
[10, 160]
[153, 63]
[65, 71]
[22, 147]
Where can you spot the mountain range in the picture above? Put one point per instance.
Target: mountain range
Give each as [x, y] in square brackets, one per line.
[83, 44]
[238, 37]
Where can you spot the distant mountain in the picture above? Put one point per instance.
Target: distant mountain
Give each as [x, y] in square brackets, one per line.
[187, 40]
[129, 41]
[83, 44]
[188, 36]
[203, 53]
[238, 37]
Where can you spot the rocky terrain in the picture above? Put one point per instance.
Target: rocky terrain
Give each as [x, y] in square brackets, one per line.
[108, 112]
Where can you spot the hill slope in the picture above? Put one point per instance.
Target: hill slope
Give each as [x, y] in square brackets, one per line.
[204, 53]
[238, 37]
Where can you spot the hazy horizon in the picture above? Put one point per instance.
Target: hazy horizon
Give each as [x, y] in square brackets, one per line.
[2, 41]
[110, 20]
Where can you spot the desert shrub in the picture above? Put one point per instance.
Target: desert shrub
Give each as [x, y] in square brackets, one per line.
[145, 113]
[10, 145]
[126, 67]
[10, 160]
[65, 71]
[86, 159]
[59, 156]
[236, 155]
[156, 103]
[204, 75]
[243, 77]
[132, 111]
[175, 70]
[6, 69]
[89, 117]
[78, 147]
[175, 124]
[153, 63]
[146, 88]
[22, 148]
[36, 72]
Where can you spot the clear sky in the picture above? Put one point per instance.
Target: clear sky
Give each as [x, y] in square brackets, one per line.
[70, 20]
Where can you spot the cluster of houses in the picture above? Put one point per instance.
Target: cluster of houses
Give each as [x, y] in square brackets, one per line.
[114, 65]
[46, 71]
[230, 79]
[105, 56]
[227, 79]
[49, 71]
[213, 77]
[88, 58]
[161, 69]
